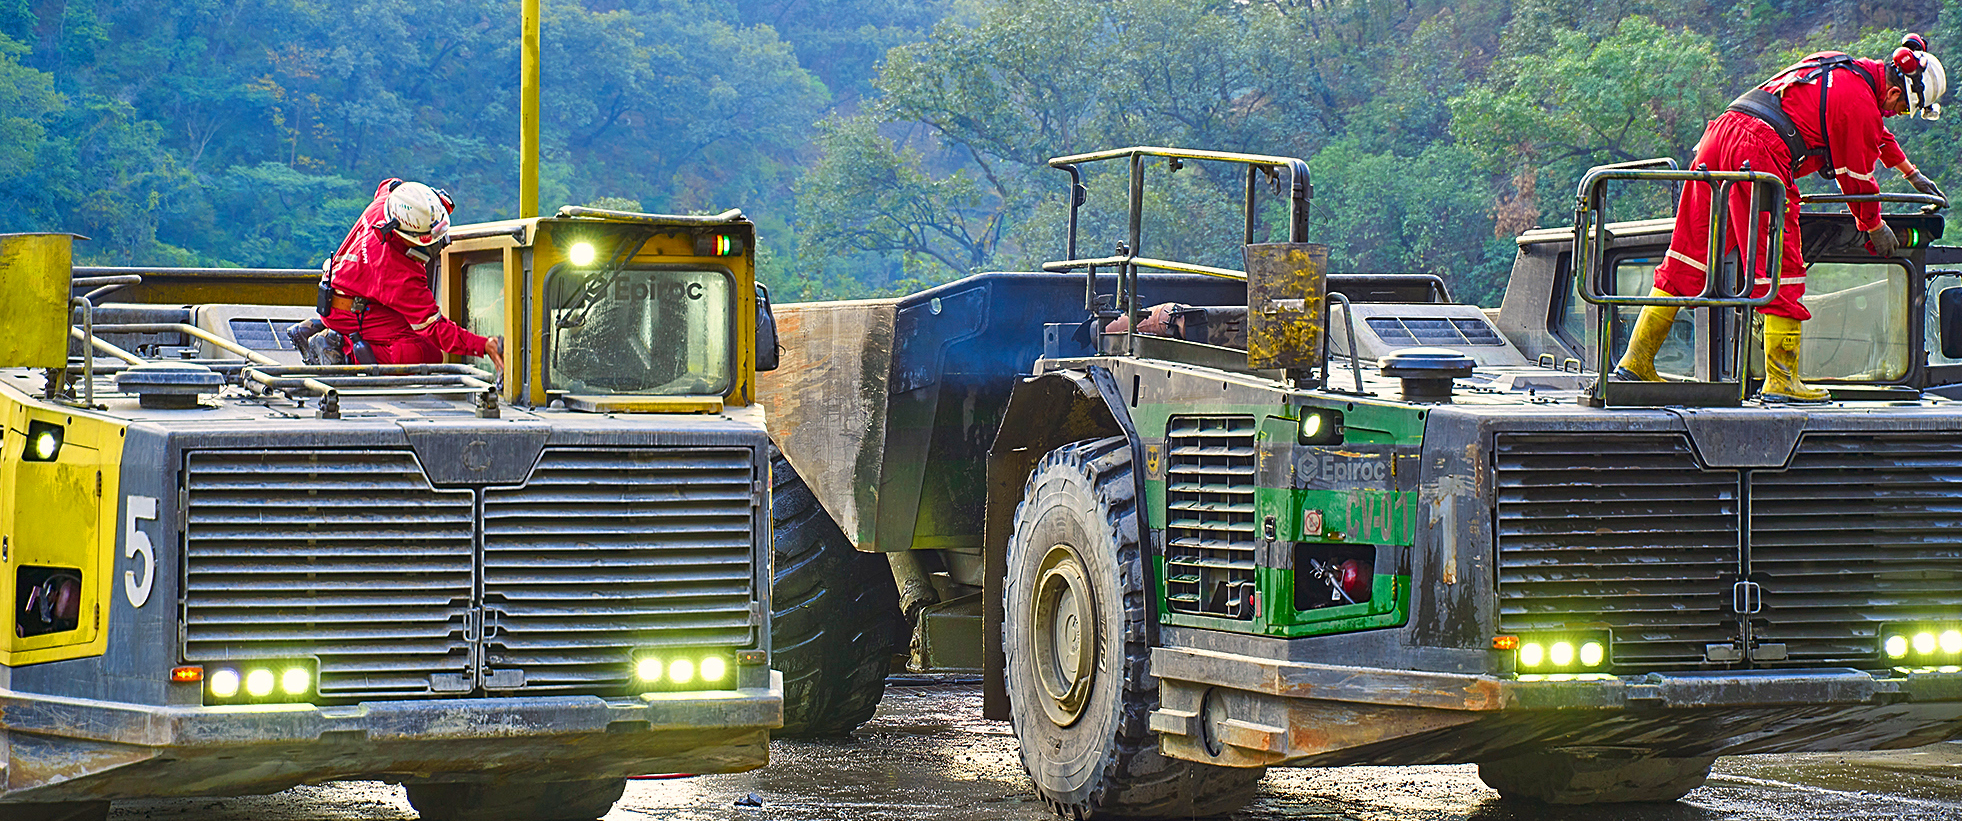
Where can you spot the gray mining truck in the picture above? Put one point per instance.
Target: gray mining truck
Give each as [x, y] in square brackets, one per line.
[229, 572]
[1192, 522]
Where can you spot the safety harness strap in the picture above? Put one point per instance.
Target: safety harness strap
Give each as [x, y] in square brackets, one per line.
[1765, 106]
[1769, 108]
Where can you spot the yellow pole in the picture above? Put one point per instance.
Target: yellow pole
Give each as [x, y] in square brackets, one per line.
[528, 117]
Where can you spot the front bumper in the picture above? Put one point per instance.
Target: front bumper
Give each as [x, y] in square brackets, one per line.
[1239, 710]
[63, 749]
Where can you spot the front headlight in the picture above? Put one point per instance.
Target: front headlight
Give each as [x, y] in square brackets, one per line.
[282, 681]
[1566, 652]
[683, 668]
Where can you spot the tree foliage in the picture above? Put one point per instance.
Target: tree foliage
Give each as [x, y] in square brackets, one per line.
[885, 145]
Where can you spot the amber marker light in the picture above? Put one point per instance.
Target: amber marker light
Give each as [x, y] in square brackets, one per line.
[187, 675]
[1505, 642]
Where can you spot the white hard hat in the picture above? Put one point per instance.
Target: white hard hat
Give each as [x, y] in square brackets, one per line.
[1924, 98]
[420, 215]
[1919, 74]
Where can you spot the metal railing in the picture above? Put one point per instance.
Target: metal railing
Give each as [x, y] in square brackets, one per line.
[1591, 240]
[331, 382]
[1129, 259]
[1768, 197]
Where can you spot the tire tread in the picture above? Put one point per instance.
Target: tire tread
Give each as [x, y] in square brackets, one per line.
[1136, 780]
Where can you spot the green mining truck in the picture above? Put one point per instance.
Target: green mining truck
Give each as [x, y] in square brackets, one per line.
[230, 572]
[1194, 522]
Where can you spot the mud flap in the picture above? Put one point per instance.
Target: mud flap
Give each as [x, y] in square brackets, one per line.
[1044, 413]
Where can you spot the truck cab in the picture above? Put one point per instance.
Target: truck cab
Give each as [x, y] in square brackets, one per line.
[231, 572]
[1234, 519]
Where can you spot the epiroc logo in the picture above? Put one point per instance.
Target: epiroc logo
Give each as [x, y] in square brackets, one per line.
[477, 456]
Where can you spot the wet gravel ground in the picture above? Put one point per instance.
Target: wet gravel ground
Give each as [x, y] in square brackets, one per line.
[928, 756]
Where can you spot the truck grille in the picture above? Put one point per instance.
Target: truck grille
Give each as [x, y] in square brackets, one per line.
[1618, 531]
[604, 551]
[1209, 500]
[351, 556]
[1859, 531]
[346, 555]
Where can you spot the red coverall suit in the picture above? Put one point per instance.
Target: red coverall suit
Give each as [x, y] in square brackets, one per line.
[1856, 139]
[402, 323]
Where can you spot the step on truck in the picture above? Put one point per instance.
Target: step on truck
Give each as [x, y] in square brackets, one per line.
[230, 572]
[1193, 521]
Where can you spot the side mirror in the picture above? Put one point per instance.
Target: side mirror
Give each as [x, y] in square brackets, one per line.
[766, 330]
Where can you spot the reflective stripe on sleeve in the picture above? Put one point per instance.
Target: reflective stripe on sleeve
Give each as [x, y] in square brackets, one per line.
[417, 326]
[1847, 172]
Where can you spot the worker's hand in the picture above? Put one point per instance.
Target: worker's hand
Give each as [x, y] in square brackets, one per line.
[494, 348]
[1883, 240]
[1924, 185]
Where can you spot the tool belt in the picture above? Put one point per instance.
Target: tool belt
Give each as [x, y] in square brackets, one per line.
[350, 304]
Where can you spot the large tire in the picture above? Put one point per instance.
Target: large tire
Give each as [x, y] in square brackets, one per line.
[1561, 778]
[1077, 636]
[835, 617]
[517, 800]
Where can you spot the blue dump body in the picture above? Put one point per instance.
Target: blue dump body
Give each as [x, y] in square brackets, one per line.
[930, 374]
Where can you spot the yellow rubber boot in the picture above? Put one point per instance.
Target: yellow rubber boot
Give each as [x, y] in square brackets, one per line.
[1651, 328]
[1781, 348]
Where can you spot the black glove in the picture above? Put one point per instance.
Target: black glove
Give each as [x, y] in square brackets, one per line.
[1924, 185]
[1882, 238]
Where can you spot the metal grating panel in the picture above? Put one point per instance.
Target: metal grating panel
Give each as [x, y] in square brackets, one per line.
[1859, 531]
[1210, 473]
[1618, 531]
[604, 551]
[347, 555]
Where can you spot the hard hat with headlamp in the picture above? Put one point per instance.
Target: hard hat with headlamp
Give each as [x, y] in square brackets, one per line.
[1920, 75]
[420, 215]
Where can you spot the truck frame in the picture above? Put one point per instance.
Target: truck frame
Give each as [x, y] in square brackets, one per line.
[1233, 543]
[230, 572]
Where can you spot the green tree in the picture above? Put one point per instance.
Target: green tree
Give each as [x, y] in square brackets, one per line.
[29, 104]
[1642, 91]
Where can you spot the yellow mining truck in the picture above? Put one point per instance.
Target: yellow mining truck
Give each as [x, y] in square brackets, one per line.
[228, 572]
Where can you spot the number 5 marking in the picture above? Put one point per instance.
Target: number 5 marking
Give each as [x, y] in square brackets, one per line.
[135, 543]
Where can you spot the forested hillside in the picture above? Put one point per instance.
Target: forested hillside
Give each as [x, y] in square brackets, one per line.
[881, 145]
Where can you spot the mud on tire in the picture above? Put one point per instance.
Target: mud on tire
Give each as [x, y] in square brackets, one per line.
[1561, 778]
[1077, 636]
[517, 800]
[835, 617]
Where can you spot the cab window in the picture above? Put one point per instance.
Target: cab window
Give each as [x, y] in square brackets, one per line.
[1932, 322]
[640, 331]
[483, 302]
[1859, 325]
[1634, 276]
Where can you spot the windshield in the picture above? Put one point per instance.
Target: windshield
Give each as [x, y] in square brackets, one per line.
[638, 331]
[1859, 325]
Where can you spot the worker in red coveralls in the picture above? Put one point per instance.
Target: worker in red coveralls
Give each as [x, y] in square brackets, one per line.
[381, 304]
[1781, 127]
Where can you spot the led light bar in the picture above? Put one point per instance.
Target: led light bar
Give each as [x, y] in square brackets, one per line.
[683, 669]
[1538, 655]
[1922, 644]
[273, 681]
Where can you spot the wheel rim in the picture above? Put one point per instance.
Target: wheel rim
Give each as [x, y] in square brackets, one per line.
[1064, 626]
